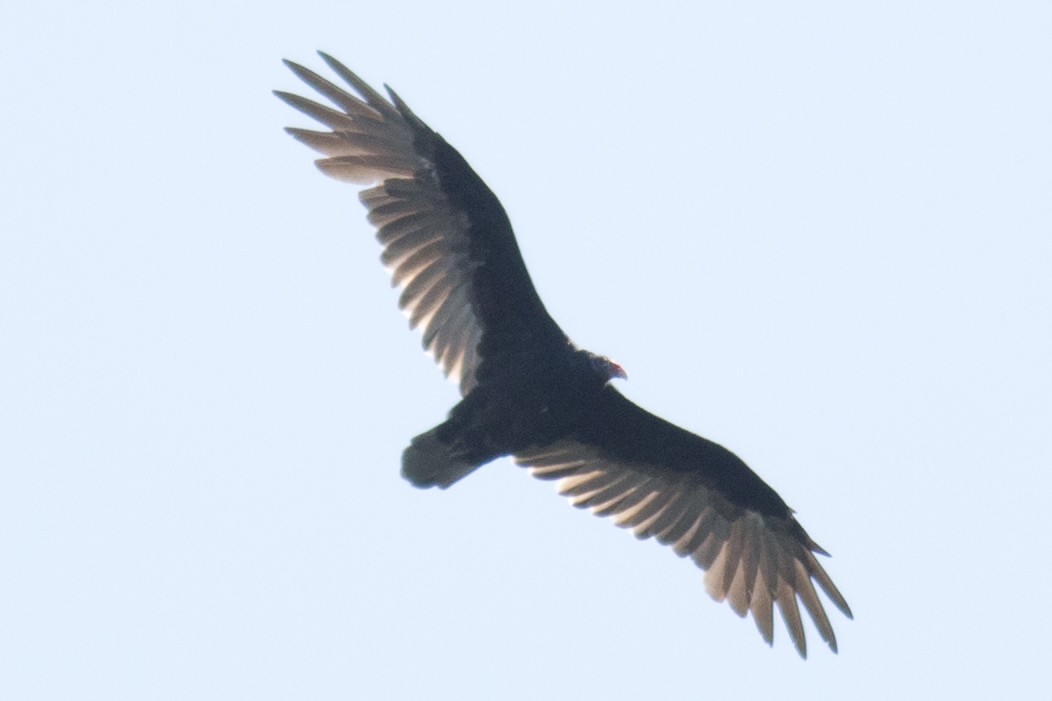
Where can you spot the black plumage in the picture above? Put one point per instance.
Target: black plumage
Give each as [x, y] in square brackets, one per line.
[527, 391]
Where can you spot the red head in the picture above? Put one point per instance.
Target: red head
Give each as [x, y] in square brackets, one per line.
[608, 368]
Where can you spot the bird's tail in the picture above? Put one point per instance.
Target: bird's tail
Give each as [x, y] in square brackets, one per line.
[430, 462]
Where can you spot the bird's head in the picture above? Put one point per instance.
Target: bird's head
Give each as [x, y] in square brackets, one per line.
[607, 368]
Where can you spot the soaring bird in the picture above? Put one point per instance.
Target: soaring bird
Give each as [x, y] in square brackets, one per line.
[527, 391]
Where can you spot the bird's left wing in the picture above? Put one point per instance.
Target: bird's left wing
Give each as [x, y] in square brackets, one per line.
[699, 498]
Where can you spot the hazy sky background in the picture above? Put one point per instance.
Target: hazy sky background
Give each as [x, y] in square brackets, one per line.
[818, 233]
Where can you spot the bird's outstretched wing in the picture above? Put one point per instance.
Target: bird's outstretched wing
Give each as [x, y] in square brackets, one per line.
[446, 238]
[703, 501]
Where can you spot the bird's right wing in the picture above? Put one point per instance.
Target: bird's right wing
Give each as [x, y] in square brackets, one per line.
[446, 238]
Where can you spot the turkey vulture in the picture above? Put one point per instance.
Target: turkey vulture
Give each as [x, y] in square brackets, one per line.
[528, 391]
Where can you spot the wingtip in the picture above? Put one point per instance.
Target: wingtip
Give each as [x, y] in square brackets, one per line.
[296, 68]
[291, 99]
[285, 97]
[404, 110]
[332, 62]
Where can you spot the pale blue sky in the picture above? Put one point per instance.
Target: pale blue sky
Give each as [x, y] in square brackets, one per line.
[817, 234]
